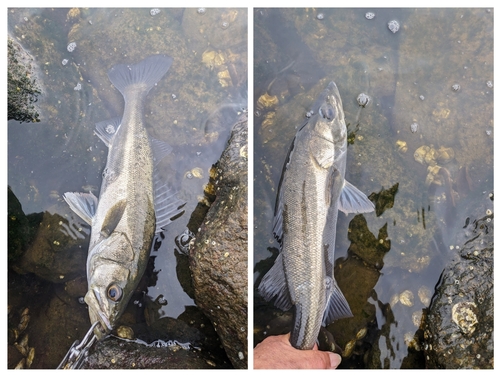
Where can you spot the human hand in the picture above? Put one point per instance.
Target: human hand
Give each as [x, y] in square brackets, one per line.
[276, 352]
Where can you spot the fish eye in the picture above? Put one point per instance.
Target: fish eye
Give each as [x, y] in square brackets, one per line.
[114, 292]
[327, 112]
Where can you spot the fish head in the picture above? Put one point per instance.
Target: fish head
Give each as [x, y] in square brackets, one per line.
[329, 132]
[111, 283]
[331, 122]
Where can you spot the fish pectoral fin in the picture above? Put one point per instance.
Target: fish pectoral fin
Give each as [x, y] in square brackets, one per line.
[352, 200]
[274, 284]
[113, 217]
[160, 150]
[167, 205]
[337, 306]
[106, 130]
[83, 204]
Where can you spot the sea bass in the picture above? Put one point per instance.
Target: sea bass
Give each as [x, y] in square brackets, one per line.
[311, 191]
[133, 203]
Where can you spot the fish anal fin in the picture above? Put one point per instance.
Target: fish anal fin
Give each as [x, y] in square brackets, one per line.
[278, 220]
[273, 284]
[160, 149]
[337, 306]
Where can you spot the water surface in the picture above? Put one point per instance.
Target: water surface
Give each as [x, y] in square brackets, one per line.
[388, 261]
[192, 108]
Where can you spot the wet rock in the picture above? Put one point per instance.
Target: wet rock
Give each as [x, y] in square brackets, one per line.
[384, 199]
[459, 325]
[19, 229]
[365, 245]
[51, 307]
[114, 353]
[361, 268]
[167, 328]
[38, 245]
[52, 254]
[218, 257]
[23, 89]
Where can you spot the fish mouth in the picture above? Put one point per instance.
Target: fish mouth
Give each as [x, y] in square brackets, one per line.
[96, 315]
[329, 95]
[104, 326]
[333, 90]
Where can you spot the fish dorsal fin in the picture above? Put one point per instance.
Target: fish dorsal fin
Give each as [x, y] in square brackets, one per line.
[274, 284]
[113, 217]
[167, 205]
[160, 149]
[337, 306]
[106, 130]
[83, 204]
[352, 200]
[144, 74]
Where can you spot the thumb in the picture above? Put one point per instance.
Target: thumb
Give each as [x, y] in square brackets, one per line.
[335, 360]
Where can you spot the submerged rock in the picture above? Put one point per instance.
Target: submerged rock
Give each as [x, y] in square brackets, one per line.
[218, 257]
[52, 254]
[40, 243]
[19, 229]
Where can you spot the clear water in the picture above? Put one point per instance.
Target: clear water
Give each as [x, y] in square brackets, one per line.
[408, 76]
[192, 108]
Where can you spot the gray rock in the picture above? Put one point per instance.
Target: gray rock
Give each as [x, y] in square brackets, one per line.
[218, 257]
[458, 330]
[114, 353]
[23, 89]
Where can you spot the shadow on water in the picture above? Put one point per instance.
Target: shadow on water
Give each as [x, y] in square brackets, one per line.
[192, 108]
[420, 150]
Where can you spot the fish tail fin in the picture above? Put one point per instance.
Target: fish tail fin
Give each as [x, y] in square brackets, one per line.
[143, 75]
[337, 307]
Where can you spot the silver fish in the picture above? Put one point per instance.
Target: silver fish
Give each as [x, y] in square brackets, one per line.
[311, 191]
[133, 205]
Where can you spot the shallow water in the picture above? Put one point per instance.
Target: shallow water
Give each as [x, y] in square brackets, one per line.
[192, 108]
[397, 254]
